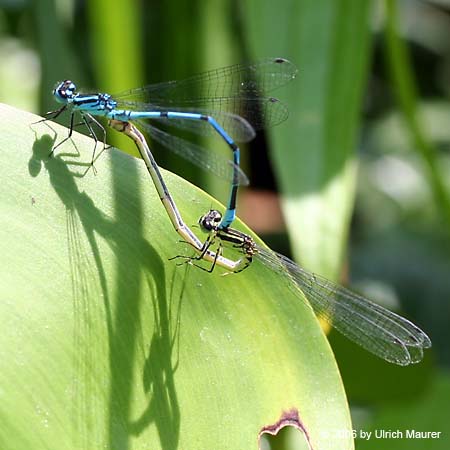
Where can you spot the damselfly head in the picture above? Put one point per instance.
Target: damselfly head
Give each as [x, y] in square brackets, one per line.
[64, 91]
[210, 221]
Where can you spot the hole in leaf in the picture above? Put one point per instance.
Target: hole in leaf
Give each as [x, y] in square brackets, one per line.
[287, 434]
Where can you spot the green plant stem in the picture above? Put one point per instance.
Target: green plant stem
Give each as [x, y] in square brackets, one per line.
[399, 65]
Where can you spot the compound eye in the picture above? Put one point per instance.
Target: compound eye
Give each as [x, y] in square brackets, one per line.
[214, 215]
[66, 89]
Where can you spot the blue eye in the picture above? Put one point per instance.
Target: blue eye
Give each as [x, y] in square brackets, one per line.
[64, 91]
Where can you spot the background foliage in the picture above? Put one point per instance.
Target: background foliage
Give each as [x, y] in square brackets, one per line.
[361, 165]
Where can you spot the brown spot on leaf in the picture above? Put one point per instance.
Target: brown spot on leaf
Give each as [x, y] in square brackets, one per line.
[288, 418]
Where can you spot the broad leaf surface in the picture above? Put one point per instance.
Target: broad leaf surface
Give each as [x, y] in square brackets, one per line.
[105, 343]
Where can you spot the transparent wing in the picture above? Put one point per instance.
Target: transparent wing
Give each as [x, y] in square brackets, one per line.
[200, 156]
[239, 89]
[240, 117]
[375, 328]
[238, 80]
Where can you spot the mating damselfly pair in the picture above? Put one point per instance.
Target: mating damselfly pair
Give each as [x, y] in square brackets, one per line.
[232, 102]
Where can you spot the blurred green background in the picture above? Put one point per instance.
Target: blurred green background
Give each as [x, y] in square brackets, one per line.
[355, 185]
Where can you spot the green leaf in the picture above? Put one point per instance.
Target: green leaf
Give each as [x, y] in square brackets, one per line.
[105, 343]
[313, 151]
[405, 90]
[57, 56]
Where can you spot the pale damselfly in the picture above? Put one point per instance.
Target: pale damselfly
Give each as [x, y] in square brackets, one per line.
[378, 330]
[180, 226]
